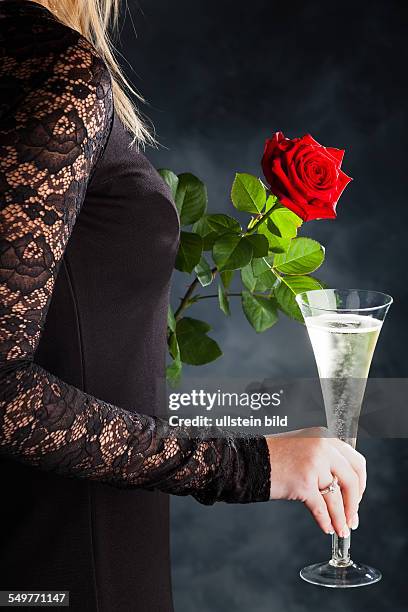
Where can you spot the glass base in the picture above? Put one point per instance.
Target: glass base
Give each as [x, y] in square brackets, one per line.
[328, 575]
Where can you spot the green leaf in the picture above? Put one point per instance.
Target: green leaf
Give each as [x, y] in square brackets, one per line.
[283, 222]
[223, 301]
[206, 232]
[173, 372]
[174, 349]
[189, 251]
[223, 223]
[261, 312]
[226, 277]
[259, 244]
[276, 243]
[263, 282]
[196, 348]
[203, 272]
[302, 257]
[231, 252]
[270, 202]
[260, 265]
[191, 198]
[287, 290]
[196, 325]
[171, 179]
[171, 321]
[248, 278]
[266, 281]
[248, 193]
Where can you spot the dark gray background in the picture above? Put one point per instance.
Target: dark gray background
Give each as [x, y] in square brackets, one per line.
[220, 76]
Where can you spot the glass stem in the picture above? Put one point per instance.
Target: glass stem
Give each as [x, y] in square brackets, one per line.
[340, 551]
[341, 546]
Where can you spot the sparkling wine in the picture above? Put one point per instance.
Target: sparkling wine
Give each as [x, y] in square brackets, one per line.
[343, 345]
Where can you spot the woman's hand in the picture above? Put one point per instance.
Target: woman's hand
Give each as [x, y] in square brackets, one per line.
[306, 460]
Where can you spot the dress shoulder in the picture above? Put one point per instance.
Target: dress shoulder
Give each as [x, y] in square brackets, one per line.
[56, 108]
[48, 66]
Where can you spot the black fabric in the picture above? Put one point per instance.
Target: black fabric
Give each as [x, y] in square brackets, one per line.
[88, 240]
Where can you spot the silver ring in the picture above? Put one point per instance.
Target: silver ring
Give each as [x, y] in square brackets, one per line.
[332, 486]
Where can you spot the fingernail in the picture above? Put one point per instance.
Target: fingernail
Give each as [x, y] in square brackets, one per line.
[330, 530]
[345, 532]
[354, 522]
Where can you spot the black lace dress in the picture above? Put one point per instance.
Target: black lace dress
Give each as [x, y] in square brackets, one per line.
[87, 245]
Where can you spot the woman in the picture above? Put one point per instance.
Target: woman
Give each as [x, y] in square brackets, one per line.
[88, 239]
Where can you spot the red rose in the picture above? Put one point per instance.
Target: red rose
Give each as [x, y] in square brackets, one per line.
[306, 177]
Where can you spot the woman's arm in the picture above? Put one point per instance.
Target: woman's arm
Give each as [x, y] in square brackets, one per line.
[55, 119]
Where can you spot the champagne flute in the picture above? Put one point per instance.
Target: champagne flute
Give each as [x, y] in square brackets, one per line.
[343, 327]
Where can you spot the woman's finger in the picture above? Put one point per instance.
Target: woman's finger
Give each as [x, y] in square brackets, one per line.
[335, 506]
[317, 506]
[349, 485]
[356, 460]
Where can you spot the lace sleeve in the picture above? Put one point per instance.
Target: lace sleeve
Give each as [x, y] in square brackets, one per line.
[55, 118]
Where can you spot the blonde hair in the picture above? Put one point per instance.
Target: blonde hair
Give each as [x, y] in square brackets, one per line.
[95, 19]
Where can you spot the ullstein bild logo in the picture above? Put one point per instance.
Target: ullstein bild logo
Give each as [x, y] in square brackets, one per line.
[227, 420]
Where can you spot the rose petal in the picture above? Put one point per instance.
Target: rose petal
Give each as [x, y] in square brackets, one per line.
[309, 140]
[293, 206]
[338, 154]
[289, 189]
[344, 180]
[320, 210]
